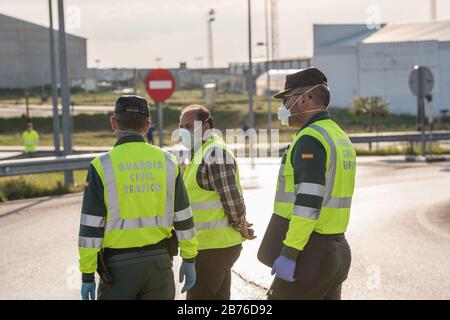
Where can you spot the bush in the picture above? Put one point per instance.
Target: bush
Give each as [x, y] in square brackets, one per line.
[19, 188]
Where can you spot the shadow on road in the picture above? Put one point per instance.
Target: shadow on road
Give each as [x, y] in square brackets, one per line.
[35, 203]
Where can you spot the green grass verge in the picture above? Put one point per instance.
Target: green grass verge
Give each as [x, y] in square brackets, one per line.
[38, 185]
[403, 150]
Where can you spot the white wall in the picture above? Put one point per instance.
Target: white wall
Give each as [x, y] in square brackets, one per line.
[406, 102]
[341, 69]
[342, 73]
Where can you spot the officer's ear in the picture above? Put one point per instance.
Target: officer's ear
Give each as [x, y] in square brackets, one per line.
[206, 127]
[113, 121]
[308, 100]
[148, 125]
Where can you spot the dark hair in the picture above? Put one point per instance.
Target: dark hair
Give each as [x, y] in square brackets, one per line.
[130, 121]
[321, 95]
[203, 113]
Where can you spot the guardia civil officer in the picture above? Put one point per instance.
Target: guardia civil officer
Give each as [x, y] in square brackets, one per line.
[134, 197]
[313, 196]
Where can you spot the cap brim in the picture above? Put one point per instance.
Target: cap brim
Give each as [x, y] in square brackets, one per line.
[280, 95]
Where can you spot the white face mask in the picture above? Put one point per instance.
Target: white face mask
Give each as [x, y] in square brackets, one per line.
[285, 113]
[186, 137]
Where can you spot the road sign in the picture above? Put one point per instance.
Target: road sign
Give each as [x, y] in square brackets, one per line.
[421, 81]
[160, 85]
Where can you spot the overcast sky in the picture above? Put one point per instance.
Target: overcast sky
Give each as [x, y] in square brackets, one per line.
[133, 33]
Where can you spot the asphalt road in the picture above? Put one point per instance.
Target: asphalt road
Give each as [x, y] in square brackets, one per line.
[399, 235]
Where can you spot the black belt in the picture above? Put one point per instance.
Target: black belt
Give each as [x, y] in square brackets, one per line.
[328, 236]
[110, 252]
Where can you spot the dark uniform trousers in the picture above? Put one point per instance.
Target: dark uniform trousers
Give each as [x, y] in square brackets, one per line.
[139, 276]
[322, 267]
[213, 269]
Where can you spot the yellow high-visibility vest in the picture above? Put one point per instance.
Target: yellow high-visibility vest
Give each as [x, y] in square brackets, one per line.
[30, 140]
[333, 217]
[211, 222]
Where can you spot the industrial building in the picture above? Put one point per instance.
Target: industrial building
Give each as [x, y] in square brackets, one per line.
[25, 55]
[259, 66]
[359, 61]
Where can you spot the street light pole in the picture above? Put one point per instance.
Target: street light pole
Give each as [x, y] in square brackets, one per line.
[65, 95]
[211, 18]
[250, 69]
[158, 62]
[53, 79]
[199, 61]
[269, 98]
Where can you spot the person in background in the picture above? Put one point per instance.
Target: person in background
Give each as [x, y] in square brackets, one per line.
[149, 134]
[30, 139]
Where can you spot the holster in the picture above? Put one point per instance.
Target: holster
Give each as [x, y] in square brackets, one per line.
[172, 245]
[102, 269]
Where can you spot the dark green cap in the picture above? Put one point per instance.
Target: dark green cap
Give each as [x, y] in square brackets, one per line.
[303, 78]
[132, 103]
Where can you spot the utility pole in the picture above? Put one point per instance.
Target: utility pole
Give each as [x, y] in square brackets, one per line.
[269, 98]
[429, 99]
[274, 18]
[199, 61]
[210, 19]
[158, 62]
[250, 69]
[65, 95]
[135, 79]
[27, 106]
[433, 10]
[54, 86]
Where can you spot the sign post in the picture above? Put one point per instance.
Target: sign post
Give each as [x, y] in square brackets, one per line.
[160, 86]
[430, 121]
[421, 83]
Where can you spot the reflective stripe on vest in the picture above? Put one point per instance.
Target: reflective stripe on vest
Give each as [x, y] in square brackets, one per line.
[92, 221]
[207, 205]
[85, 242]
[116, 222]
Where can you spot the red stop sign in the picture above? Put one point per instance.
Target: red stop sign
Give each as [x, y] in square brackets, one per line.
[160, 84]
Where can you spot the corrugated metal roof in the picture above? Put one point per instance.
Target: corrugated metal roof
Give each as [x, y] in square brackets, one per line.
[340, 35]
[424, 31]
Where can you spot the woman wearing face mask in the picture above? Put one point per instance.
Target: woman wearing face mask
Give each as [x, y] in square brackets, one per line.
[304, 242]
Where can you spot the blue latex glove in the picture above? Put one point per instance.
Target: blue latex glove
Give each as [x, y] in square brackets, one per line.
[284, 268]
[88, 290]
[187, 270]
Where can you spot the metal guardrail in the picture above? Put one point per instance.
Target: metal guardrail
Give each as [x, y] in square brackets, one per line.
[54, 164]
[82, 161]
[399, 137]
[45, 164]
